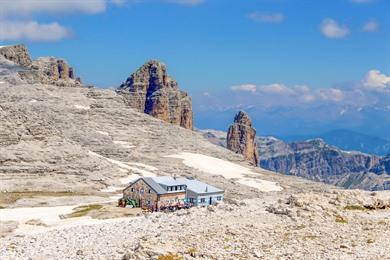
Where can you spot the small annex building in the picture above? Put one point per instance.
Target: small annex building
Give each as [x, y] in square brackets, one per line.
[155, 193]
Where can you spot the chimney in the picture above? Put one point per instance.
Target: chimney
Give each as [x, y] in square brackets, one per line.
[207, 189]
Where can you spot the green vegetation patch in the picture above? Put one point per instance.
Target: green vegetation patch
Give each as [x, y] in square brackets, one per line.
[170, 257]
[354, 207]
[84, 210]
[340, 219]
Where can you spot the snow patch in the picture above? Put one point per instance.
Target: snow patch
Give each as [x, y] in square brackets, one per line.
[124, 144]
[103, 133]
[148, 167]
[48, 215]
[213, 165]
[144, 173]
[111, 189]
[226, 169]
[262, 185]
[118, 163]
[82, 107]
[124, 166]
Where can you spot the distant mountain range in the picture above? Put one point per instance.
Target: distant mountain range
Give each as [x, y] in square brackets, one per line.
[315, 159]
[348, 140]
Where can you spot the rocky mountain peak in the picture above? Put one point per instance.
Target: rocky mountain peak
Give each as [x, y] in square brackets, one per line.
[243, 118]
[45, 70]
[152, 91]
[241, 137]
[16, 53]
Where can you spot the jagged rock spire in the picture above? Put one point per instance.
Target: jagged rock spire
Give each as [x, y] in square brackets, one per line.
[152, 91]
[241, 137]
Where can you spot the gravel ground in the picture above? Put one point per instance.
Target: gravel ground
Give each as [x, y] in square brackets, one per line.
[304, 226]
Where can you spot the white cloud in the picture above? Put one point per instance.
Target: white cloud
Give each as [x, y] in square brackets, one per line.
[28, 7]
[244, 88]
[302, 88]
[279, 89]
[332, 94]
[370, 26]
[32, 31]
[331, 29]
[375, 80]
[185, 2]
[307, 98]
[266, 17]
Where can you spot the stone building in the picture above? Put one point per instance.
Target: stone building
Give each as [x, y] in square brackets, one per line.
[157, 192]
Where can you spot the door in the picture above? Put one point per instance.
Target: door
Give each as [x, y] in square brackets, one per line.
[211, 201]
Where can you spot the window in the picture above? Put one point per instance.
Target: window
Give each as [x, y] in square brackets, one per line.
[150, 191]
[202, 200]
[191, 200]
[169, 188]
[219, 198]
[142, 191]
[175, 187]
[148, 202]
[132, 189]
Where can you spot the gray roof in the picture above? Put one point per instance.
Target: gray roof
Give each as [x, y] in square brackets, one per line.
[157, 183]
[154, 185]
[199, 187]
[168, 180]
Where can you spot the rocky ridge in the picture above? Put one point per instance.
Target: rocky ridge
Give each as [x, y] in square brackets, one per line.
[241, 138]
[316, 160]
[152, 91]
[45, 70]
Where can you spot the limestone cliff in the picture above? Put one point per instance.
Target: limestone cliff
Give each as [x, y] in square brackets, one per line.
[152, 91]
[241, 138]
[16, 53]
[316, 160]
[45, 70]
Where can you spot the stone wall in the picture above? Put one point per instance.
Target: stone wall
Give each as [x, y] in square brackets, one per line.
[142, 198]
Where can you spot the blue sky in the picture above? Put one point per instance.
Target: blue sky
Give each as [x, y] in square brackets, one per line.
[227, 54]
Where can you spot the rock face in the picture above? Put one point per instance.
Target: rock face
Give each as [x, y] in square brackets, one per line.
[383, 166]
[45, 70]
[16, 53]
[152, 91]
[316, 160]
[241, 138]
[55, 71]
